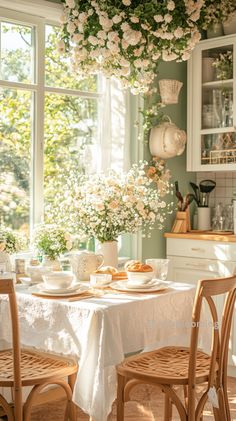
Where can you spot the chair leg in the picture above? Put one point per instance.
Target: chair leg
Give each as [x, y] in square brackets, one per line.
[168, 409]
[71, 405]
[120, 397]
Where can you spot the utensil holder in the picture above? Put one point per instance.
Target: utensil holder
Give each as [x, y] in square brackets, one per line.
[204, 218]
[182, 222]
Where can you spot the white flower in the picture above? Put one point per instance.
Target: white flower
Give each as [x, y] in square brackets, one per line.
[77, 37]
[126, 2]
[158, 18]
[168, 18]
[117, 19]
[170, 5]
[132, 37]
[134, 19]
[102, 34]
[60, 46]
[178, 33]
[125, 26]
[93, 40]
[82, 17]
[70, 3]
[71, 27]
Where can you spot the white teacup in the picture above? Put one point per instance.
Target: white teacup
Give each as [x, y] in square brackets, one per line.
[58, 280]
[160, 267]
[100, 279]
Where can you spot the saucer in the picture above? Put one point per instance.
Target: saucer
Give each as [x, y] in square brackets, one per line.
[156, 286]
[28, 281]
[43, 288]
[80, 289]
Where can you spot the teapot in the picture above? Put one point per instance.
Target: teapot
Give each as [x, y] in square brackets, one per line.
[167, 140]
[84, 263]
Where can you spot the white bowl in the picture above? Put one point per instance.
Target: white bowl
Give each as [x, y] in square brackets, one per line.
[141, 277]
[100, 279]
[58, 280]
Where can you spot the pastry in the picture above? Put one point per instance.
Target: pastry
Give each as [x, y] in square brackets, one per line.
[119, 276]
[139, 267]
[107, 269]
[130, 262]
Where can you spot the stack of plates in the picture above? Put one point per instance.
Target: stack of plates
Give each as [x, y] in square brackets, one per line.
[151, 286]
[72, 290]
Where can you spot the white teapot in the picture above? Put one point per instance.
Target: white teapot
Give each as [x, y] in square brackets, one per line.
[167, 140]
[84, 263]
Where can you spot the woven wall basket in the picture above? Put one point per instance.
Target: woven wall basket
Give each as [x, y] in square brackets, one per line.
[169, 90]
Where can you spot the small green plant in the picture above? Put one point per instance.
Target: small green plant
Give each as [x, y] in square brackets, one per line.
[11, 241]
[51, 241]
[224, 65]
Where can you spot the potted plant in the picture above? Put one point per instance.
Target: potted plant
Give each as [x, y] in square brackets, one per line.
[10, 242]
[223, 65]
[50, 242]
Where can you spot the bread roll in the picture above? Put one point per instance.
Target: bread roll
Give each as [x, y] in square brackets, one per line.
[139, 267]
[130, 262]
[107, 269]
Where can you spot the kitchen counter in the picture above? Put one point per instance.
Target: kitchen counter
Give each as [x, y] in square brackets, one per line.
[203, 235]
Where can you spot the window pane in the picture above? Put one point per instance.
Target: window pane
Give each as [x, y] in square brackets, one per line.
[71, 132]
[58, 72]
[15, 141]
[17, 53]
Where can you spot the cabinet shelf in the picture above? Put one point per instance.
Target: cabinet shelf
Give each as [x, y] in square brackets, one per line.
[211, 108]
[228, 83]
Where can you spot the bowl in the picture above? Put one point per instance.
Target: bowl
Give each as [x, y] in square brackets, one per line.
[58, 280]
[141, 277]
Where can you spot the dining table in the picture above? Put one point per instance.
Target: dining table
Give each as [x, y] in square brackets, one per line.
[99, 331]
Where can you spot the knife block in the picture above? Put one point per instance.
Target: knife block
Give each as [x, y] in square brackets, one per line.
[182, 222]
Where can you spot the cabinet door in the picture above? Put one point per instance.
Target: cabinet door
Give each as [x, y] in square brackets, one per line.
[190, 270]
[211, 106]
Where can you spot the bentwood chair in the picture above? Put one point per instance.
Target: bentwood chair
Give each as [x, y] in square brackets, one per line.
[189, 367]
[22, 367]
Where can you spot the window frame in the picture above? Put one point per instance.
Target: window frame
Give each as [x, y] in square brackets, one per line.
[38, 90]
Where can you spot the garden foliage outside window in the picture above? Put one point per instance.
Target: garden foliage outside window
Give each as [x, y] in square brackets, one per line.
[51, 122]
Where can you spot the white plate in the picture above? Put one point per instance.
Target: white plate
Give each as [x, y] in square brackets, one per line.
[80, 290]
[122, 286]
[42, 287]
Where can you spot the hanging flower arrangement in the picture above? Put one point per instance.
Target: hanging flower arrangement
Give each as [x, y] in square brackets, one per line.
[126, 38]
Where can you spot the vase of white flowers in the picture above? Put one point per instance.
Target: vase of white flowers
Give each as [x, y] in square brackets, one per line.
[105, 206]
[109, 250]
[10, 242]
[51, 242]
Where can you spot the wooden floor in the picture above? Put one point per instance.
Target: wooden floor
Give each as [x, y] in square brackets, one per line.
[147, 405]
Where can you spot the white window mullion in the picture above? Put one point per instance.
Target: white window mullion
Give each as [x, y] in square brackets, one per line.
[37, 204]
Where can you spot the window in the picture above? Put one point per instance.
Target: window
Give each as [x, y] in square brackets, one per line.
[51, 121]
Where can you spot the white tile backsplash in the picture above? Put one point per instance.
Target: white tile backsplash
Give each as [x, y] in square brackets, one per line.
[225, 186]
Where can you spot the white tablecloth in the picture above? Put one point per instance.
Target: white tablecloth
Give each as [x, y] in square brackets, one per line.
[100, 331]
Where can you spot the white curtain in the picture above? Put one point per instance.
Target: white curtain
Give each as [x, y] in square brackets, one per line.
[112, 149]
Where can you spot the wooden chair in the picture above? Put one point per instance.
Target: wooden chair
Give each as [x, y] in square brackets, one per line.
[188, 367]
[21, 367]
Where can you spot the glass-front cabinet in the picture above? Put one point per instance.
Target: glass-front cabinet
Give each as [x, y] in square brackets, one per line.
[212, 106]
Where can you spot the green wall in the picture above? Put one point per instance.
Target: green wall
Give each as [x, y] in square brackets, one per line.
[155, 246]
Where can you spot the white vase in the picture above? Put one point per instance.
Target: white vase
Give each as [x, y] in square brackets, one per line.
[5, 262]
[55, 264]
[109, 249]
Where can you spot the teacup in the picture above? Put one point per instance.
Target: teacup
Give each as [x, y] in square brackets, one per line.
[141, 277]
[100, 279]
[58, 280]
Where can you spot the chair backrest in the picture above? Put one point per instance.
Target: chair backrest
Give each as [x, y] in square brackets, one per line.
[7, 288]
[206, 290]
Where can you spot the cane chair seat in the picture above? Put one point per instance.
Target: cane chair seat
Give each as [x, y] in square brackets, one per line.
[25, 367]
[174, 365]
[36, 367]
[167, 365]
